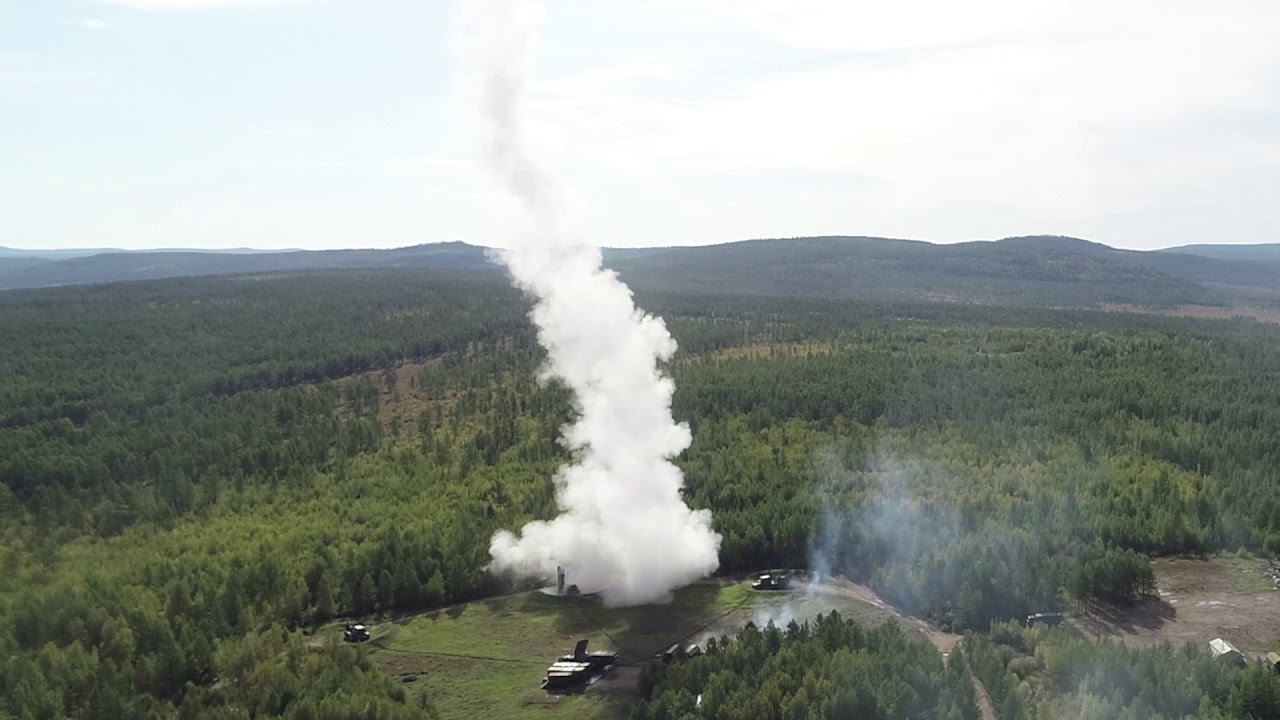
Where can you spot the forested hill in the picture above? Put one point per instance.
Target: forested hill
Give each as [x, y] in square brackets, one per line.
[124, 266]
[1033, 271]
[14, 264]
[1021, 271]
[1259, 251]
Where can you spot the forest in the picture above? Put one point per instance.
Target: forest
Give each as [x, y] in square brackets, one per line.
[832, 668]
[1038, 673]
[194, 473]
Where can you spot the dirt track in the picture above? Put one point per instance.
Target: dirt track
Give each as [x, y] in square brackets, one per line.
[986, 710]
[945, 642]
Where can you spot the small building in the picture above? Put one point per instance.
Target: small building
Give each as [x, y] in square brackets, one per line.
[1226, 651]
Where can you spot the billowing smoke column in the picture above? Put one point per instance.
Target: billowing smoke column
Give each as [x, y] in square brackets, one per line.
[624, 530]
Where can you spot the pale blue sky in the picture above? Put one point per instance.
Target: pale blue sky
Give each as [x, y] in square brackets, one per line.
[335, 123]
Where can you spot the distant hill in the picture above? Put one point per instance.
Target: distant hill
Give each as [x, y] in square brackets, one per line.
[1261, 251]
[8, 252]
[1035, 270]
[63, 254]
[1199, 269]
[16, 263]
[1023, 271]
[123, 266]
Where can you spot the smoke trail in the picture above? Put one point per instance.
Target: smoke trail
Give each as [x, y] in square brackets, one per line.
[623, 530]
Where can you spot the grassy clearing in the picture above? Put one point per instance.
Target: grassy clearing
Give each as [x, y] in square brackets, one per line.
[1252, 576]
[486, 659]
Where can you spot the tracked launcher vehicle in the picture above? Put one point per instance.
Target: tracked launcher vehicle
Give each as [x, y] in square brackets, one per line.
[576, 670]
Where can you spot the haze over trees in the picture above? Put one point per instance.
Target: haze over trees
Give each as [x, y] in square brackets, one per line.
[1049, 673]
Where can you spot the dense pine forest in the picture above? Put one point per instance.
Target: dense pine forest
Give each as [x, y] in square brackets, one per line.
[830, 668]
[194, 473]
[1049, 673]
[833, 668]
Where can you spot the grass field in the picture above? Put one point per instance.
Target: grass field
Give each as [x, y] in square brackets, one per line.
[486, 659]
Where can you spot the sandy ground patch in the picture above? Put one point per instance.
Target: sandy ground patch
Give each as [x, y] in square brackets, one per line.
[1197, 601]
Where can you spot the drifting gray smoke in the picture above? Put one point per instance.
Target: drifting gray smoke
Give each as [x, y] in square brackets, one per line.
[624, 530]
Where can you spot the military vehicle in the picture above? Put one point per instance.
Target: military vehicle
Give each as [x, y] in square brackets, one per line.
[355, 633]
[1045, 618]
[578, 669]
[772, 581]
[679, 652]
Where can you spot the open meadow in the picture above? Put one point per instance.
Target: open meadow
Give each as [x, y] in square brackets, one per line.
[487, 658]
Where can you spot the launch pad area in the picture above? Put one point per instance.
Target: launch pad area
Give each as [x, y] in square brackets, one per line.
[490, 657]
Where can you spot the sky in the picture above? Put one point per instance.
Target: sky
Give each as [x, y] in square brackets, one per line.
[337, 123]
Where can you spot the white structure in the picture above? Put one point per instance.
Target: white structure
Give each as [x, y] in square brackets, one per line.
[1225, 650]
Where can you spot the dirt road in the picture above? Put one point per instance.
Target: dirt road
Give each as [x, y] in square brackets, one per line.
[945, 642]
[986, 710]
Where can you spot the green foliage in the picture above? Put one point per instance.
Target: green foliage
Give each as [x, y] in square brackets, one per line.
[1115, 575]
[1258, 696]
[274, 675]
[143, 401]
[187, 467]
[831, 668]
[1039, 673]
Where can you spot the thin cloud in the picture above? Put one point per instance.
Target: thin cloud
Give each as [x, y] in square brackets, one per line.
[1144, 123]
[182, 5]
[16, 74]
[945, 127]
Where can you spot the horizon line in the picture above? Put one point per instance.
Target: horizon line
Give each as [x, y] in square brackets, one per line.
[89, 251]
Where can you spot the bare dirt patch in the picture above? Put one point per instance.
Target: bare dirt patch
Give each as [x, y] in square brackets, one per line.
[1203, 312]
[766, 351]
[1197, 601]
[401, 399]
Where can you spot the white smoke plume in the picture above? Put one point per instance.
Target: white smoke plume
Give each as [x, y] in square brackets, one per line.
[624, 530]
